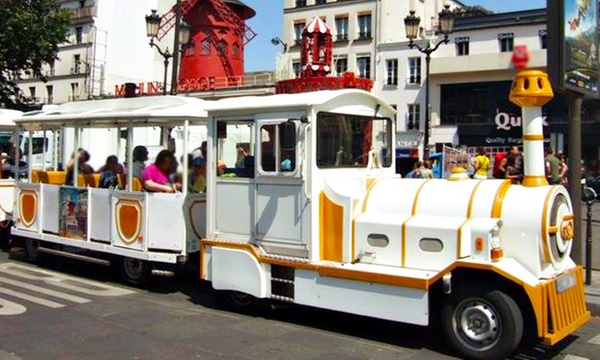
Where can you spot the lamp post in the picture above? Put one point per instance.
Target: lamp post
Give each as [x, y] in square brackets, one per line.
[152, 26]
[411, 23]
[277, 41]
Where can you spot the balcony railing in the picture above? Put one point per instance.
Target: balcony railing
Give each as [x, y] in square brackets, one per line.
[364, 35]
[84, 13]
[341, 37]
[228, 83]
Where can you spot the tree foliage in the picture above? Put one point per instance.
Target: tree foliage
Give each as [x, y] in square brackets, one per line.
[30, 31]
[471, 11]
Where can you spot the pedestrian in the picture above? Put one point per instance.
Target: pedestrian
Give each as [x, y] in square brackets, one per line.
[481, 164]
[552, 167]
[515, 159]
[512, 173]
[564, 170]
[427, 172]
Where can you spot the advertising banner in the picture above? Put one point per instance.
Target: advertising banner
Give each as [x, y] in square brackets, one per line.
[581, 64]
[73, 213]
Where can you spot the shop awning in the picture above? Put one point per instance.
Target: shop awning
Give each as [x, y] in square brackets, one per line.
[408, 139]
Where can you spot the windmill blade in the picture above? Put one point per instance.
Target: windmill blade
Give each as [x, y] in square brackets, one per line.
[167, 22]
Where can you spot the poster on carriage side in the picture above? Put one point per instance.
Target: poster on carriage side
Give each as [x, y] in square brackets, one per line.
[73, 213]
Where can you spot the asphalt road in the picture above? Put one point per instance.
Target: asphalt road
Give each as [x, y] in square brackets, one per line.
[72, 310]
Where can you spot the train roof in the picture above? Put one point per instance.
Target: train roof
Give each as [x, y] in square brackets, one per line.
[110, 112]
[347, 101]
[7, 116]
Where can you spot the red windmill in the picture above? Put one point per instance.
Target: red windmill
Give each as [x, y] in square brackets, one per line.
[219, 34]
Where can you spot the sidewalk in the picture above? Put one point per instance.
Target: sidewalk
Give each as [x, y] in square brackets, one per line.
[592, 294]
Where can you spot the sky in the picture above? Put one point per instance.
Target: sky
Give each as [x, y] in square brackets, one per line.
[268, 23]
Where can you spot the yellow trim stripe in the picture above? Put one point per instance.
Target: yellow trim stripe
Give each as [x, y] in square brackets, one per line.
[533, 137]
[472, 199]
[416, 200]
[499, 199]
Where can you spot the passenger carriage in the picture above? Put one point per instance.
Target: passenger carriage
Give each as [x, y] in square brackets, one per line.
[7, 186]
[139, 230]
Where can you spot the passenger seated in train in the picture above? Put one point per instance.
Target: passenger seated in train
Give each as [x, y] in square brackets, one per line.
[221, 168]
[197, 177]
[140, 156]
[8, 165]
[109, 173]
[156, 177]
[83, 167]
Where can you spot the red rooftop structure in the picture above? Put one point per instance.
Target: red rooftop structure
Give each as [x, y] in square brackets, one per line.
[317, 50]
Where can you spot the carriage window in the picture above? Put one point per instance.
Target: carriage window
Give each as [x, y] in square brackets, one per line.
[278, 153]
[235, 149]
[347, 140]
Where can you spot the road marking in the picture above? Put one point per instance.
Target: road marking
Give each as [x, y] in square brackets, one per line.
[30, 298]
[11, 308]
[595, 340]
[87, 287]
[573, 357]
[39, 289]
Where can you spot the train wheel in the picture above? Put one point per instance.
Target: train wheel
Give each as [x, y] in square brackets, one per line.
[482, 324]
[135, 272]
[32, 251]
[241, 302]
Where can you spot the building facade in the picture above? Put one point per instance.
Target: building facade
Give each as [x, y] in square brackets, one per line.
[103, 38]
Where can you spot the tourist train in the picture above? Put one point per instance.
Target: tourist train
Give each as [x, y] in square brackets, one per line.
[306, 208]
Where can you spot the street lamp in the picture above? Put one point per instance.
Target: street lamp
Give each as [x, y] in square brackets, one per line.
[277, 41]
[152, 27]
[446, 27]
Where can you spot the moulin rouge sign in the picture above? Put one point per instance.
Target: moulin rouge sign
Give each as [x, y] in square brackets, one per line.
[155, 87]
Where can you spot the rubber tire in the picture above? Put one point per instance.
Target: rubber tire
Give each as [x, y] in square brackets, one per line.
[32, 253]
[143, 275]
[241, 302]
[511, 320]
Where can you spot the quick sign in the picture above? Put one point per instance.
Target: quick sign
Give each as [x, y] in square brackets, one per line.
[507, 122]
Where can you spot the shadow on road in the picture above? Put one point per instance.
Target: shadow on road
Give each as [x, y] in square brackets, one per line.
[201, 293]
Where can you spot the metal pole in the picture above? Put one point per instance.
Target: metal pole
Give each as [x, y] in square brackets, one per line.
[588, 245]
[175, 75]
[129, 148]
[17, 145]
[76, 159]
[575, 100]
[166, 62]
[44, 150]
[186, 165]
[426, 128]
[30, 157]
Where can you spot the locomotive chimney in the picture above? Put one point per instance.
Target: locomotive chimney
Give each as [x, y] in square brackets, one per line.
[531, 90]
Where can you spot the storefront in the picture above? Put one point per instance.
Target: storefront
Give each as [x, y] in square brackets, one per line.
[482, 115]
[408, 144]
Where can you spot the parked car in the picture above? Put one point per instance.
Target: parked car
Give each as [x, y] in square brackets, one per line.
[594, 183]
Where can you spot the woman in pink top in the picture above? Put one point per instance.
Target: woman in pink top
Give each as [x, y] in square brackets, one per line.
[156, 176]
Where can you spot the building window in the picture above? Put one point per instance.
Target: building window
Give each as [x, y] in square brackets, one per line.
[222, 48]
[298, 29]
[364, 66]
[462, 46]
[296, 67]
[341, 28]
[82, 3]
[74, 91]
[364, 26]
[78, 35]
[235, 49]
[32, 93]
[52, 70]
[414, 70]
[206, 47]
[300, 3]
[543, 39]
[413, 116]
[320, 2]
[506, 41]
[392, 72]
[49, 94]
[341, 66]
[76, 64]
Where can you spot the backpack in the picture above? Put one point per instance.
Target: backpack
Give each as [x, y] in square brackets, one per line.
[496, 172]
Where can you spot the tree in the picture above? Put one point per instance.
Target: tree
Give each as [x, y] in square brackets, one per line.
[471, 11]
[30, 31]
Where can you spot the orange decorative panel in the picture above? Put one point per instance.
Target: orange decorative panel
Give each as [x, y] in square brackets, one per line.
[331, 229]
[28, 201]
[129, 220]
